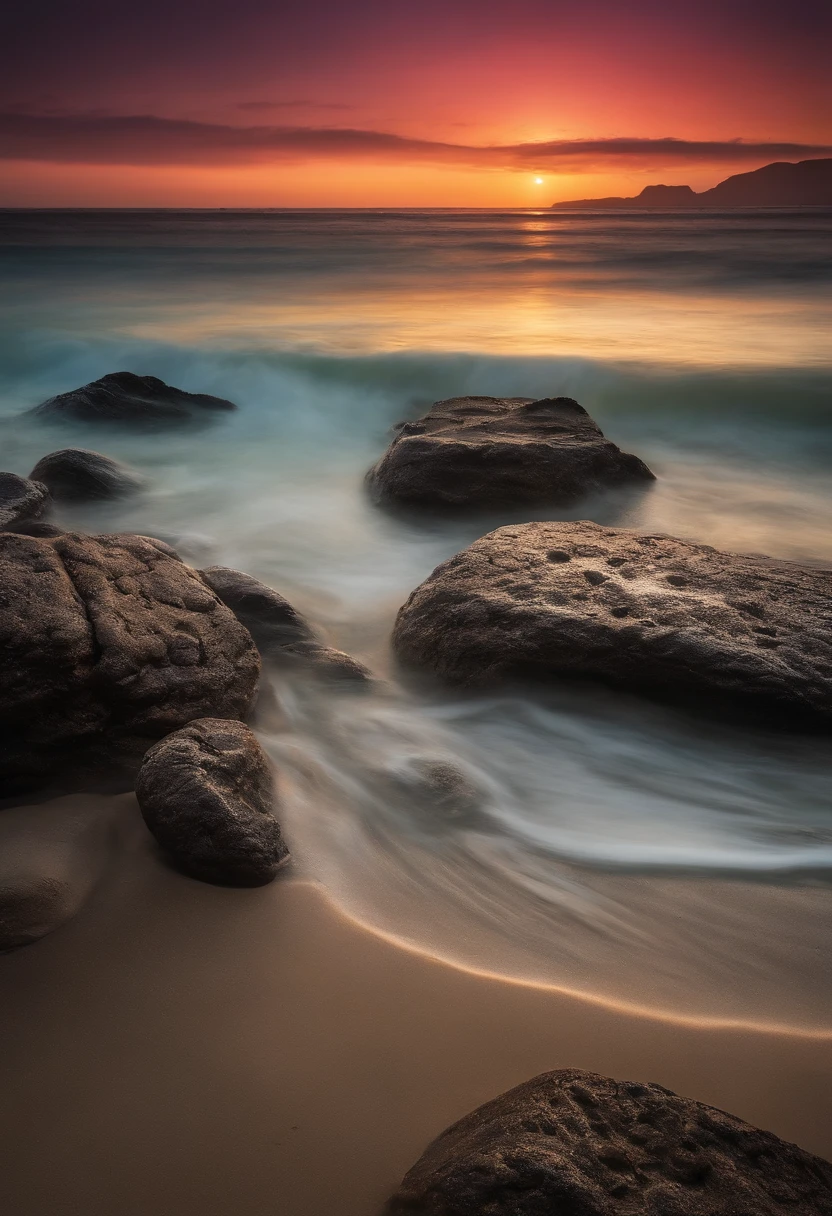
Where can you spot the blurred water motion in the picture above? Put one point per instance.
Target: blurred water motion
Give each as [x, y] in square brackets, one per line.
[579, 838]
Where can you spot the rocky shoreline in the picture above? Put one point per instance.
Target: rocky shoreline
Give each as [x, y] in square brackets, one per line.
[119, 659]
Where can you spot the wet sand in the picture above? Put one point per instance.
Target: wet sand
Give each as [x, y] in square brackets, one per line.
[183, 1050]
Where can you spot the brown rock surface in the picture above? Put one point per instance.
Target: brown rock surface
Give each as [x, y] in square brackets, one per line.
[207, 794]
[21, 500]
[500, 452]
[105, 640]
[649, 613]
[572, 1143]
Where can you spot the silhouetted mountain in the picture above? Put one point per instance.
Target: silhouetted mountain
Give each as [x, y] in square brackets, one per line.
[805, 184]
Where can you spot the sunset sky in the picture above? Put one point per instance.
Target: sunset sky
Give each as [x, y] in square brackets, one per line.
[399, 103]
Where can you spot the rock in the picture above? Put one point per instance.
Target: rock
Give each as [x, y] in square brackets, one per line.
[270, 619]
[207, 794]
[51, 858]
[327, 663]
[283, 635]
[21, 500]
[572, 1143]
[123, 397]
[500, 452]
[437, 791]
[78, 475]
[34, 527]
[648, 613]
[108, 642]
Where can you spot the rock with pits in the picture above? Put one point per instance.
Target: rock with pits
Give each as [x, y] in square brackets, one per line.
[487, 452]
[79, 475]
[108, 642]
[572, 1143]
[21, 500]
[649, 613]
[126, 398]
[207, 794]
[283, 635]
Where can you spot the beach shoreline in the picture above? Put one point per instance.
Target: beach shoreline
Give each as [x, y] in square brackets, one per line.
[182, 1048]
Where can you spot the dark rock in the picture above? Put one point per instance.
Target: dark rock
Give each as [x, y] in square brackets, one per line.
[327, 663]
[283, 635]
[207, 794]
[108, 642]
[572, 1143]
[78, 475]
[651, 614]
[33, 527]
[123, 397]
[270, 619]
[21, 499]
[500, 452]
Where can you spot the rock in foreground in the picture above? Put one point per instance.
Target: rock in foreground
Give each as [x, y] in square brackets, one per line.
[207, 795]
[282, 634]
[79, 475]
[572, 1143]
[501, 452]
[651, 614]
[124, 397]
[21, 500]
[108, 642]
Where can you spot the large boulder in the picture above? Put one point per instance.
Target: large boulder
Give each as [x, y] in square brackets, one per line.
[500, 452]
[283, 635]
[124, 397]
[21, 500]
[79, 475]
[207, 794]
[572, 1143]
[648, 613]
[108, 642]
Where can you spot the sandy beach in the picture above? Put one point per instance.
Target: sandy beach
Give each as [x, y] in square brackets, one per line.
[182, 1049]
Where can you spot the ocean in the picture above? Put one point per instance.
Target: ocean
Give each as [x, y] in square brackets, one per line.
[636, 853]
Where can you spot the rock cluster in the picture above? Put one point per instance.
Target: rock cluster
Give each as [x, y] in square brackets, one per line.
[488, 452]
[572, 1143]
[648, 613]
[105, 642]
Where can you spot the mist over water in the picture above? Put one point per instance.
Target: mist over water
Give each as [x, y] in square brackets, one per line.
[606, 845]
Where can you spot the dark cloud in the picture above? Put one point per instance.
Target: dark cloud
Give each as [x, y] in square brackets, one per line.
[149, 140]
[292, 105]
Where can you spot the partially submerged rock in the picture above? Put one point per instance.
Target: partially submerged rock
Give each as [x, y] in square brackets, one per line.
[572, 1143]
[500, 452]
[79, 475]
[648, 613]
[267, 615]
[108, 642]
[51, 858]
[207, 794]
[283, 635]
[21, 500]
[124, 397]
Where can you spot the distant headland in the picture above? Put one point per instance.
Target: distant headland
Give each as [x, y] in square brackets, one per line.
[808, 183]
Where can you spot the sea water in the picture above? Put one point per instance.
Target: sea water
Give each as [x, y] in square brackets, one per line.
[623, 850]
